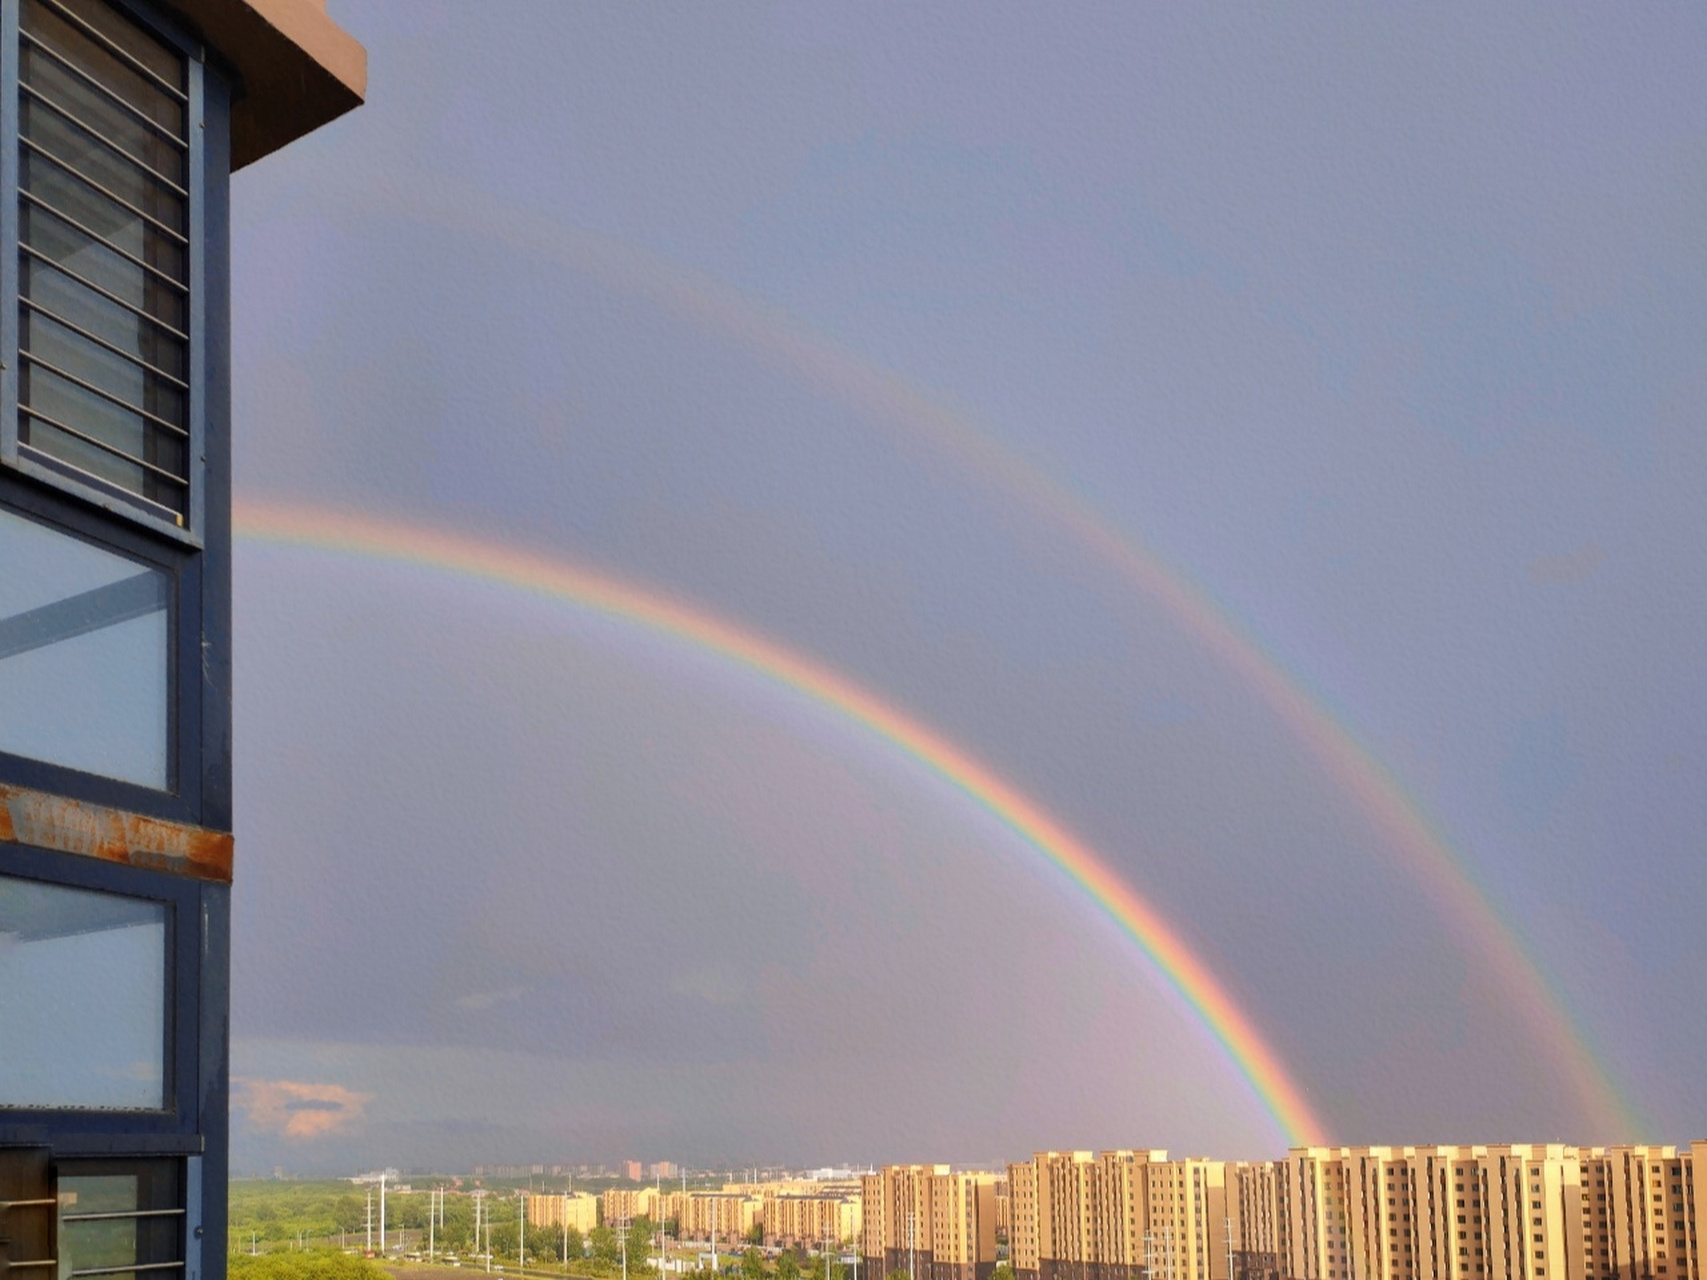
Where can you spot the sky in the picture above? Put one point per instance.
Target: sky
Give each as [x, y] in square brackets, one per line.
[1263, 446]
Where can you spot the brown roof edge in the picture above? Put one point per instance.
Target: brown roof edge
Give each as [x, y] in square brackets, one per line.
[49, 821]
[299, 69]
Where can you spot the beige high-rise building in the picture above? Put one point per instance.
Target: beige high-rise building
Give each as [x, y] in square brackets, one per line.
[578, 1210]
[1075, 1215]
[622, 1205]
[810, 1219]
[1024, 1251]
[724, 1216]
[928, 1222]
[963, 1226]
[1505, 1212]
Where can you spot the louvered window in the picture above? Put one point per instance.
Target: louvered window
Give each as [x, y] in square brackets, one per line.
[104, 255]
[121, 1218]
[72, 1218]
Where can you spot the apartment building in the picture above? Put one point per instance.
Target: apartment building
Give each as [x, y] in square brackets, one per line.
[928, 1222]
[622, 1205]
[579, 1210]
[724, 1216]
[810, 1219]
[963, 1225]
[1501, 1212]
[1076, 1215]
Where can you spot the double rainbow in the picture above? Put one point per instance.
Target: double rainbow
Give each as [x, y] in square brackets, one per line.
[891, 402]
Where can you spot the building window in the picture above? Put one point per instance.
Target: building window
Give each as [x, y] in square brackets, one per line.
[121, 1216]
[83, 997]
[84, 655]
[105, 248]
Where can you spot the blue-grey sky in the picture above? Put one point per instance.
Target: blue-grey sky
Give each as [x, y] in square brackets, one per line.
[1380, 324]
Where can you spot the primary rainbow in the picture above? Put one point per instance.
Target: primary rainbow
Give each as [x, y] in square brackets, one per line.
[297, 525]
[890, 401]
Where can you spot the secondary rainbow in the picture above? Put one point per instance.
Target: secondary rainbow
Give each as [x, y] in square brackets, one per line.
[561, 579]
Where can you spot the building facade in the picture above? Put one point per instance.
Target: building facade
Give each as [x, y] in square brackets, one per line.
[578, 1209]
[123, 122]
[1501, 1212]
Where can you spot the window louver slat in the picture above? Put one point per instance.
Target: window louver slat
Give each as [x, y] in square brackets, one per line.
[103, 389]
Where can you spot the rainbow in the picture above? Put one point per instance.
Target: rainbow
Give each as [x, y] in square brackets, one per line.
[559, 579]
[782, 341]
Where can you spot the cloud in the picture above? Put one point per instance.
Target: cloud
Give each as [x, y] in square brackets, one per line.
[297, 1110]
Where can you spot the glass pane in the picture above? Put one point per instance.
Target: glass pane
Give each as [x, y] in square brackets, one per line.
[82, 998]
[100, 418]
[91, 1240]
[82, 204]
[51, 341]
[116, 76]
[62, 86]
[52, 290]
[131, 38]
[84, 154]
[83, 656]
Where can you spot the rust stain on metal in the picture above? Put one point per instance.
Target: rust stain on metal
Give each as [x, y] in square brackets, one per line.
[94, 831]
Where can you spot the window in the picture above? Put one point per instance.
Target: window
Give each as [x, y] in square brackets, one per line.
[84, 636]
[106, 251]
[83, 995]
[121, 1216]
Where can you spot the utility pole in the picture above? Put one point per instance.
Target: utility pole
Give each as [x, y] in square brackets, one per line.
[370, 1217]
[382, 1213]
[522, 1229]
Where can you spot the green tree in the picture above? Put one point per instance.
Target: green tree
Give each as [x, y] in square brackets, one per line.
[605, 1244]
[642, 1233]
[788, 1266]
[753, 1264]
[755, 1234]
[1002, 1272]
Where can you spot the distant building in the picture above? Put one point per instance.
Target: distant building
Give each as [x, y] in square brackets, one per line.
[622, 1205]
[810, 1220]
[928, 1222]
[578, 1210]
[724, 1216]
[1498, 1212]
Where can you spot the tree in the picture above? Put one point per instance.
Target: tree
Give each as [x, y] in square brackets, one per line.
[1002, 1272]
[755, 1234]
[605, 1244]
[753, 1264]
[640, 1241]
[787, 1266]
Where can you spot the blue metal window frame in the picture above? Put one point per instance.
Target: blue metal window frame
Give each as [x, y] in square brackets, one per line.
[170, 31]
[197, 556]
[175, 1128]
